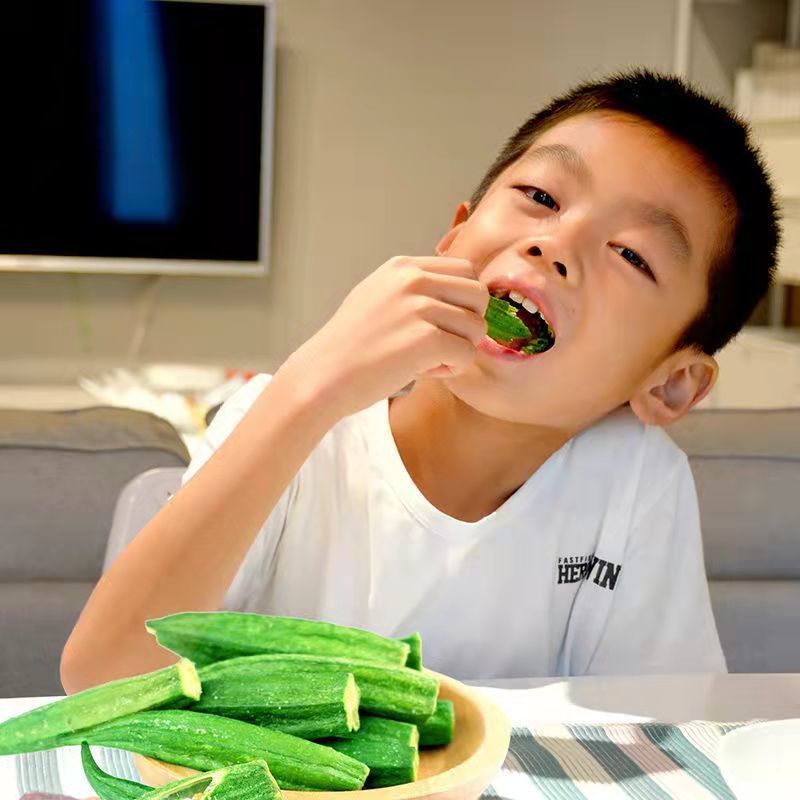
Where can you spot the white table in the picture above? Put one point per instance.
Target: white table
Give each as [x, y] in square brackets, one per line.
[662, 698]
[668, 698]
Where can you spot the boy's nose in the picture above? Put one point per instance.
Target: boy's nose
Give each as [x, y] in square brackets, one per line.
[560, 268]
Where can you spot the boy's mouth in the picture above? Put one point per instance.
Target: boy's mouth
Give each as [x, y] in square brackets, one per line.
[517, 323]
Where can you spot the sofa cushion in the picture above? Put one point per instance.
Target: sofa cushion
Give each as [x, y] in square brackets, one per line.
[758, 624]
[35, 620]
[60, 475]
[766, 433]
[750, 509]
[746, 466]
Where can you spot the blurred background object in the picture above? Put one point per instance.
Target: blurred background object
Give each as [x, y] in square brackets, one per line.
[386, 114]
[762, 367]
[142, 140]
[61, 473]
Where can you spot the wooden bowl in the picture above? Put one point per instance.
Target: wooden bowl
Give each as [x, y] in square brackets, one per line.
[459, 771]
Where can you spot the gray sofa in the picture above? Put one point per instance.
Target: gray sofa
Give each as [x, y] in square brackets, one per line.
[746, 466]
[58, 486]
[60, 475]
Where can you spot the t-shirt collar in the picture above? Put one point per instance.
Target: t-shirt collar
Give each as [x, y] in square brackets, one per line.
[386, 459]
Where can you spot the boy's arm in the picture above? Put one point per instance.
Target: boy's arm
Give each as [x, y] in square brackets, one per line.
[187, 556]
[413, 316]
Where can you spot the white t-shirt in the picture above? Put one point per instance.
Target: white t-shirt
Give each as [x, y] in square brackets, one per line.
[594, 565]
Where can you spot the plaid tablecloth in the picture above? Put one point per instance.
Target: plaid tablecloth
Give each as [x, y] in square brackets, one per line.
[635, 761]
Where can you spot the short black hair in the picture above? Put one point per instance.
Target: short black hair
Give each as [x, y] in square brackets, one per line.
[744, 266]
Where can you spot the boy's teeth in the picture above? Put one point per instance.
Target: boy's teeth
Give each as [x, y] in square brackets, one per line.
[525, 302]
[529, 305]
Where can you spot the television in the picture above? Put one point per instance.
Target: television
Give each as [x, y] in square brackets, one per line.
[137, 136]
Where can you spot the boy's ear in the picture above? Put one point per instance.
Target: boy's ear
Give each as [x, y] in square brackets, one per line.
[462, 212]
[675, 387]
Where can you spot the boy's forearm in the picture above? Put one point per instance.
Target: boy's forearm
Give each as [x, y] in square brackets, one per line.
[187, 556]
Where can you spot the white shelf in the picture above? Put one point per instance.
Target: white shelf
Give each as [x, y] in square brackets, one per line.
[759, 369]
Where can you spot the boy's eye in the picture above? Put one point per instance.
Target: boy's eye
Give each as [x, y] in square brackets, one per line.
[632, 257]
[539, 196]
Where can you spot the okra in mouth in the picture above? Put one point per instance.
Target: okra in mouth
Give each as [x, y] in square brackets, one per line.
[517, 328]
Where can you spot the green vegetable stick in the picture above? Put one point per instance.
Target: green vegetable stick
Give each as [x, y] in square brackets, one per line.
[45, 727]
[503, 322]
[380, 728]
[311, 705]
[536, 346]
[438, 729]
[206, 742]
[390, 761]
[394, 692]
[249, 781]
[109, 787]
[211, 636]
[414, 641]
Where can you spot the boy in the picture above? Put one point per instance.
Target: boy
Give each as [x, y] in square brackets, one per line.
[525, 513]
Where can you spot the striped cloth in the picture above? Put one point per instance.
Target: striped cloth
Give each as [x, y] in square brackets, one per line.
[58, 774]
[615, 761]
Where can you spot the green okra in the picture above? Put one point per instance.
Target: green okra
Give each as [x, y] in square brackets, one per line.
[502, 321]
[207, 742]
[414, 660]
[388, 747]
[395, 692]
[249, 781]
[538, 345]
[46, 727]
[109, 787]
[439, 729]
[206, 637]
[390, 763]
[390, 751]
[382, 728]
[311, 705]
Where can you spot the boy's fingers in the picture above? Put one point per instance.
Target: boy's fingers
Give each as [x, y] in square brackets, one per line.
[457, 352]
[449, 279]
[460, 292]
[443, 265]
[461, 322]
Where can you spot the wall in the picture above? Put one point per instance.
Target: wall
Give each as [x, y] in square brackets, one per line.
[723, 35]
[387, 114]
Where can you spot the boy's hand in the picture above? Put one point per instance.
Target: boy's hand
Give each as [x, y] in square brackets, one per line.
[413, 316]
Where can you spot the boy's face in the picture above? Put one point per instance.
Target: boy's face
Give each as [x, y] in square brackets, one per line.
[612, 226]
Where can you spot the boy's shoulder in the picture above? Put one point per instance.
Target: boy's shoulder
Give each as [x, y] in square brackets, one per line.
[634, 468]
[343, 435]
[620, 441]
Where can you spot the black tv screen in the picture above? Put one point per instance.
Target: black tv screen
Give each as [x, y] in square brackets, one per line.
[134, 129]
